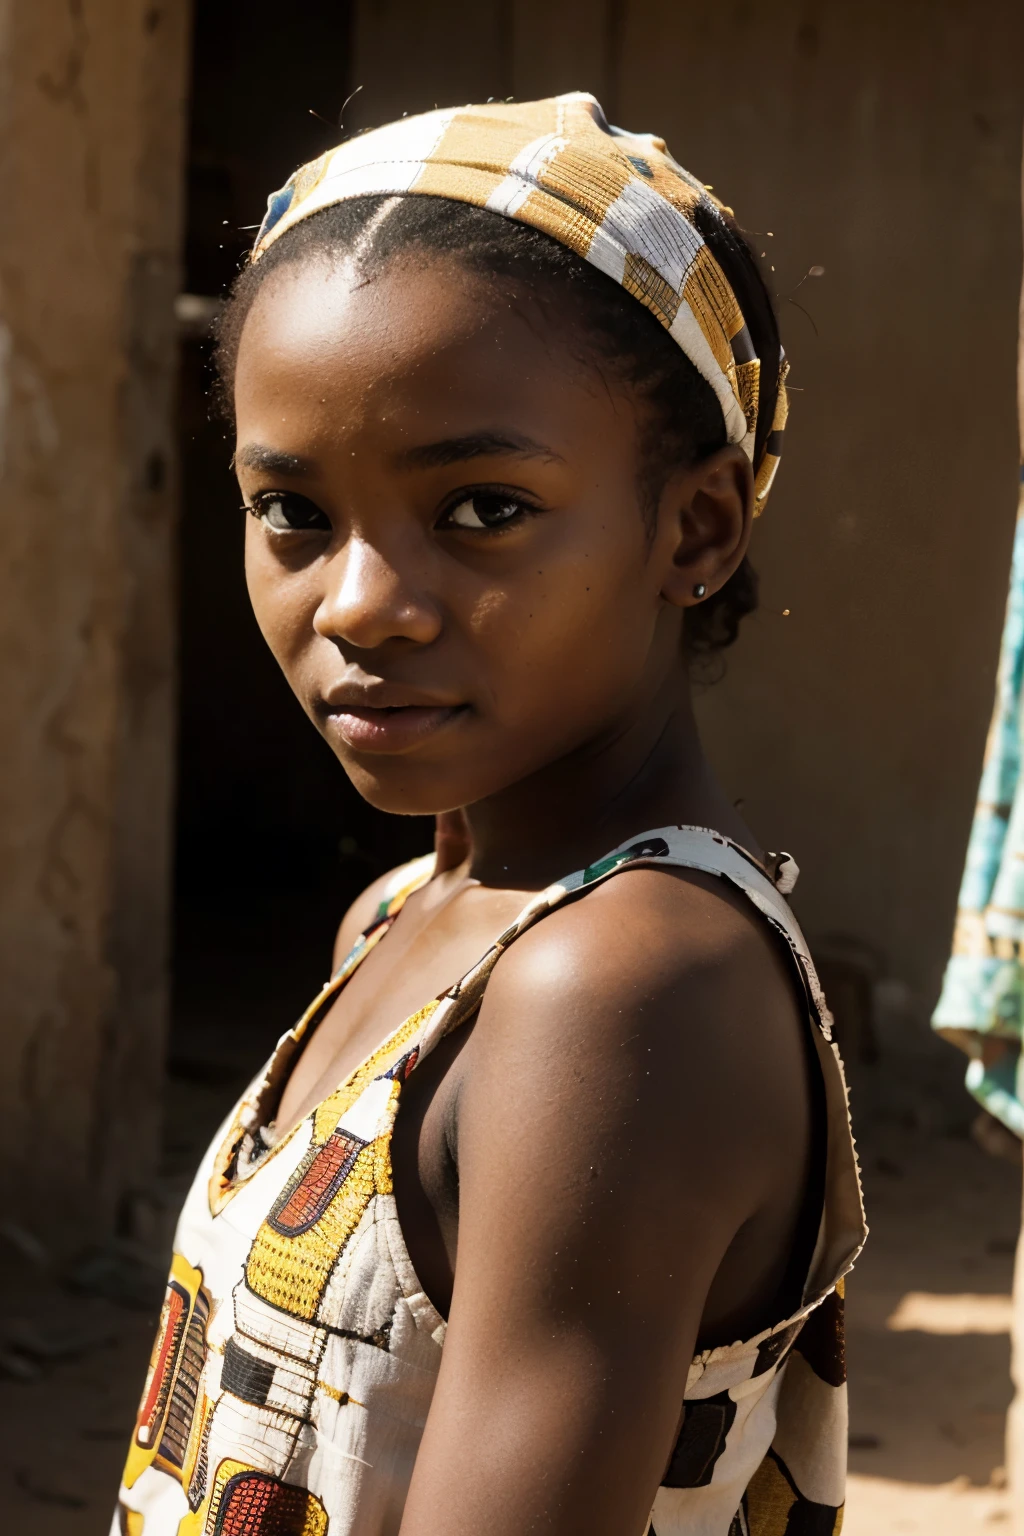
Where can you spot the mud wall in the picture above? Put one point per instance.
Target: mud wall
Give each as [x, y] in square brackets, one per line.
[882, 143]
[91, 119]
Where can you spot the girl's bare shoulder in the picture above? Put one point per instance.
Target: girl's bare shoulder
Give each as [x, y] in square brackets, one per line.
[652, 930]
[655, 982]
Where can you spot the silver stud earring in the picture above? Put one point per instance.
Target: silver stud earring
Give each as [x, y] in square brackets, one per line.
[699, 590]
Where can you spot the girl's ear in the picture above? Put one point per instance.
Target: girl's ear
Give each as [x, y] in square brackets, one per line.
[705, 516]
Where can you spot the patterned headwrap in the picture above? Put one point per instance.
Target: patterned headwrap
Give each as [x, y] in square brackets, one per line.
[617, 199]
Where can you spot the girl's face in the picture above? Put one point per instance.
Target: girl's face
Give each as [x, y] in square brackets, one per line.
[449, 555]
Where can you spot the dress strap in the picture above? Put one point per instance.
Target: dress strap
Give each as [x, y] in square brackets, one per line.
[679, 847]
[842, 1228]
[712, 853]
[399, 887]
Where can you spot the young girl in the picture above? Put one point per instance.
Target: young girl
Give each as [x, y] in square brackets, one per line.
[537, 1220]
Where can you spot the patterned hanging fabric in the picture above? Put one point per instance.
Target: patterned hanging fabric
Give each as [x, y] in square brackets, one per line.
[982, 1004]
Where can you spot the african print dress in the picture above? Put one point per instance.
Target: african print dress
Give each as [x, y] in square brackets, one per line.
[297, 1352]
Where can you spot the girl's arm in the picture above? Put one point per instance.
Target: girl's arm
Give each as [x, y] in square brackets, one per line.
[625, 1107]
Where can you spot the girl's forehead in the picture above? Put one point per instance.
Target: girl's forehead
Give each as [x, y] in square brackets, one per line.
[325, 300]
[418, 328]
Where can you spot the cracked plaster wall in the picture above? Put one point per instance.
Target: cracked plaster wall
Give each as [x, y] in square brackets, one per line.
[92, 109]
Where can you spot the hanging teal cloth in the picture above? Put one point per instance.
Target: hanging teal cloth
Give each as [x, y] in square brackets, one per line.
[982, 1004]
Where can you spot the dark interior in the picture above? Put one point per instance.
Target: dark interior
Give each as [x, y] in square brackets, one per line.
[272, 841]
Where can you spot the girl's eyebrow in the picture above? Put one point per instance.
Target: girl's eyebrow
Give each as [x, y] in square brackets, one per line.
[474, 445]
[270, 460]
[448, 450]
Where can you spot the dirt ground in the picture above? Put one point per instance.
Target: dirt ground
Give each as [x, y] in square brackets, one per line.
[929, 1301]
[928, 1407]
[928, 1346]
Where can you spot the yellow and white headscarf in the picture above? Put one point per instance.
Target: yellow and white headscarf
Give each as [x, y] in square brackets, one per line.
[617, 199]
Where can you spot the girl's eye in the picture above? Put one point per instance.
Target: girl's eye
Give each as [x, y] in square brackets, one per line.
[285, 513]
[485, 509]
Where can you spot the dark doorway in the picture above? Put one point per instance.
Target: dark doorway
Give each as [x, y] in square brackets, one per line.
[272, 841]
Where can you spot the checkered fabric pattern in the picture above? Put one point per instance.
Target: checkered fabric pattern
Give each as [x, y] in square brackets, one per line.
[618, 199]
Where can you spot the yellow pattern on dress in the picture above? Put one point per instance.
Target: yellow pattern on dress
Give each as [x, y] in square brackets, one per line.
[170, 1357]
[306, 1407]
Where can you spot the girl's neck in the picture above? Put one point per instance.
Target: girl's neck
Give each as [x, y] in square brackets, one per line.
[650, 772]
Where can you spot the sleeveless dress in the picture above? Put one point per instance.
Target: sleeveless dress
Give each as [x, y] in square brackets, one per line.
[297, 1353]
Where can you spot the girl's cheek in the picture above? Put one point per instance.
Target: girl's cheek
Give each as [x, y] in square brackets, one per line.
[257, 572]
[489, 613]
[281, 611]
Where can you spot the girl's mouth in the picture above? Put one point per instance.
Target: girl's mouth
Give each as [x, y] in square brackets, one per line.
[397, 729]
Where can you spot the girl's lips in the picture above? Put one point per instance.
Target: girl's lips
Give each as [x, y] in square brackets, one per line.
[388, 730]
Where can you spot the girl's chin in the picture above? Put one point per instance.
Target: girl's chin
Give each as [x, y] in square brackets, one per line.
[399, 790]
[407, 786]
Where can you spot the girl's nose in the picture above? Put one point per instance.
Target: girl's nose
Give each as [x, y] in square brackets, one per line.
[367, 602]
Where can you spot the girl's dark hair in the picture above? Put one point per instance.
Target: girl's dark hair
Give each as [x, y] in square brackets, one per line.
[683, 419]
